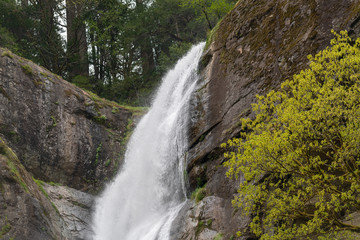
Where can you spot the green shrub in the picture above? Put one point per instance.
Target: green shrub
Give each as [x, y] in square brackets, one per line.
[199, 194]
[300, 156]
[101, 119]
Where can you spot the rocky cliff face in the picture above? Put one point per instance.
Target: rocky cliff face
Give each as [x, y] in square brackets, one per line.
[60, 132]
[52, 131]
[258, 45]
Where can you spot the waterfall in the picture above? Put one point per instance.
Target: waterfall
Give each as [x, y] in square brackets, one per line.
[148, 192]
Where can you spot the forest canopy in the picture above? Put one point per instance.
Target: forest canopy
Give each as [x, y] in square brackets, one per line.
[117, 48]
[300, 157]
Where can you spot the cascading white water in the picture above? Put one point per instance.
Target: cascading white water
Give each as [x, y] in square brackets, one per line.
[148, 192]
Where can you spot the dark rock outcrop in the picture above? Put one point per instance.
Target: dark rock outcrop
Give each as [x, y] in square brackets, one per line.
[52, 131]
[258, 45]
[60, 132]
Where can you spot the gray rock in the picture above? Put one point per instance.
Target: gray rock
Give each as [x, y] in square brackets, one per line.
[75, 208]
[60, 132]
[206, 219]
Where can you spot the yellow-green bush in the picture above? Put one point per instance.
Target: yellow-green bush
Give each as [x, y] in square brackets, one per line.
[300, 155]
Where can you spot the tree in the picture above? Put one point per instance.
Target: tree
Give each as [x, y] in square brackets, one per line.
[113, 54]
[8, 11]
[30, 29]
[47, 40]
[77, 47]
[300, 156]
[211, 10]
[132, 44]
[14, 26]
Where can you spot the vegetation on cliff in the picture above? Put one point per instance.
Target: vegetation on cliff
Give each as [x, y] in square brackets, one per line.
[13, 164]
[300, 156]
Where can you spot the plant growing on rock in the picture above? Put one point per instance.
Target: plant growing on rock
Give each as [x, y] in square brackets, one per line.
[300, 156]
[27, 69]
[5, 229]
[7, 54]
[199, 194]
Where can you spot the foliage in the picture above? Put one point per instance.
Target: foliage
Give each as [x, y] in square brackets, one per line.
[98, 150]
[32, 31]
[7, 39]
[13, 164]
[54, 123]
[218, 236]
[11, 23]
[199, 194]
[5, 229]
[133, 44]
[27, 69]
[82, 82]
[101, 119]
[40, 184]
[211, 10]
[176, 51]
[300, 156]
[108, 162]
[211, 36]
[7, 53]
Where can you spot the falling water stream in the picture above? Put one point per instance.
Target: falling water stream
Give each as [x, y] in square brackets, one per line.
[148, 192]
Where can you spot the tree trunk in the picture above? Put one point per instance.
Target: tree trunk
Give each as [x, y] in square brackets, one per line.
[24, 3]
[145, 45]
[207, 18]
[49, 45]
[77, 56]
